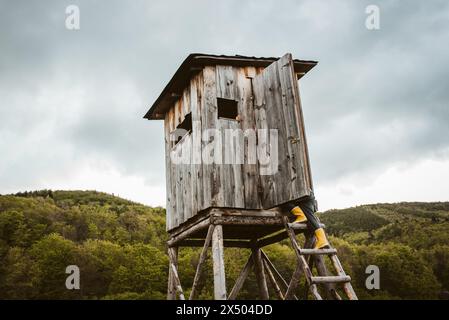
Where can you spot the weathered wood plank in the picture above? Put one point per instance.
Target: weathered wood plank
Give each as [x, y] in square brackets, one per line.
[248, 125]
[276, 120]
[294, 281]
[278, 274]
[237, 146]
[225, 169]
[273, 281]
[318, 251]
[218, 263]
[226, 243]
[185, 233]
[178, 175]
[197, 172]
[241, 278]
[245, 212]
[260, 274]
[212, 180]
[300, 121]
[225, 82]
[277, 107]
[199, 268]
[232, 141]
[171, 167]
[296, 177]
[176, 282]
[168, 178]
[347, 287]
[331, 279]
[266, 185]
[173, 259]
[249, 221]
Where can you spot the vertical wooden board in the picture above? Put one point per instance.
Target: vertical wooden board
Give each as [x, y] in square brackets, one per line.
[224, 76]
[200, 105]
[171, 168]
[177, 112]
[269, 118]
[225, 84]
[225, 79]
[186, 165]
[250, 170]
[185, 188]
[290, 127]
[238, 148]
[168, 188]
[276, 120]
[196, 172]
[280, 107]
[178, 175]
[260, 274]
[225, 169]
[187, 178]
[237, 171]
[213, 195]
[175, 188]
[231, 172]
[173, 259]
[174, 199]
[265, 183]
[207, 111]
[186, 107]
[301, 124]
[296, 148]
[218, 263]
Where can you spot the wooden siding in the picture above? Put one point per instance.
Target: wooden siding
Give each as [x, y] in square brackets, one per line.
[277, 106]
[266, 98]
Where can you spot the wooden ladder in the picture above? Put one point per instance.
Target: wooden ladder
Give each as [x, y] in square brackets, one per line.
[305, 266]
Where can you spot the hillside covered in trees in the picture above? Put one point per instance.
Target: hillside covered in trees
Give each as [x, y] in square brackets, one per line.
[119, 247]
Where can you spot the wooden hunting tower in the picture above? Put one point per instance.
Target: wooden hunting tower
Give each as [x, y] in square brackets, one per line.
[236, 151]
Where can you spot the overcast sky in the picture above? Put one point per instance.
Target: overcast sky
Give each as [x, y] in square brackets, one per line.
[376, 106]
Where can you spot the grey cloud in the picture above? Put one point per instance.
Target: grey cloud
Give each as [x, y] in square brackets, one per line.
[375, 98]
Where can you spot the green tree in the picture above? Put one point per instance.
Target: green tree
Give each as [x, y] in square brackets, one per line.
[51, 255]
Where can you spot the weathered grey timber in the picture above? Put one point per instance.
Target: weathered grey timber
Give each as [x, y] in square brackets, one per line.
[266, 95]
[224, 116]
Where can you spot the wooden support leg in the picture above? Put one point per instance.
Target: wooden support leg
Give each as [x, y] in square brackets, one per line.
[218, 263]
[172, 259]
[293, 282]
[273, 281]
[176, 283]
[277, 273]
[260, 274]
[199, 267]
[241, 278]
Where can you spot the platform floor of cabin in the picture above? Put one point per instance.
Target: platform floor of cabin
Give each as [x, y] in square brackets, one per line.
[241, 228]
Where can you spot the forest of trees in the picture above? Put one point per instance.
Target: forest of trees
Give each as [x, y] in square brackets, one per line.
[119, 247]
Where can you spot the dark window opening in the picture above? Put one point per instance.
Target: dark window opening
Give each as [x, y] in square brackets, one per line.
[182, 129]
[227, 108]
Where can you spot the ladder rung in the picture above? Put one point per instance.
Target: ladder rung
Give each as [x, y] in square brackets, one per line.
[302, 226]
[318, 251]
[331, 279]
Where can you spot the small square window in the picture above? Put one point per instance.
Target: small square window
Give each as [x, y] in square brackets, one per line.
[182, 129]
[227, 108]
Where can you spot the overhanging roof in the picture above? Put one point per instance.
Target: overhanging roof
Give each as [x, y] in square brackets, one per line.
[195, 62]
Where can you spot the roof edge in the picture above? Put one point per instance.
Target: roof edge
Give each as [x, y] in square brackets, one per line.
[194, 63]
